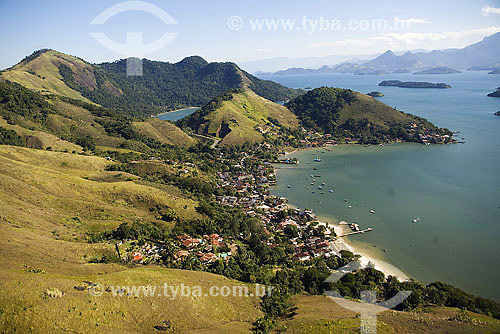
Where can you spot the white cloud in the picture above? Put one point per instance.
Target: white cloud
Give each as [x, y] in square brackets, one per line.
[410, 20]
[266, 50]
[490, 10]
[405, 41]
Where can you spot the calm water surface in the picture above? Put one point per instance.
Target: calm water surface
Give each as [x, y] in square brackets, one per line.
[453, 189]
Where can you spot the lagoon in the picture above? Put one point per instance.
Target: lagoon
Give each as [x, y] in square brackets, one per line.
[177, 114]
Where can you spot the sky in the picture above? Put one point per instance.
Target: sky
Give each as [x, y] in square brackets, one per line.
[239, 31]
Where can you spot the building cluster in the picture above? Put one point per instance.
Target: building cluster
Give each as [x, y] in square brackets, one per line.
[253, 196]
[208, 249]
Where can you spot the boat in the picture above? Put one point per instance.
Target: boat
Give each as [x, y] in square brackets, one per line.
[317, 159]
[372, 211]
[350, 207]
[331, 190]
[289, 186]
[320, 187]
[416, 220]
[323, 183]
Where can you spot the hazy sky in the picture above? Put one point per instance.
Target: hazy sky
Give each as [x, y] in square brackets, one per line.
[234, 30]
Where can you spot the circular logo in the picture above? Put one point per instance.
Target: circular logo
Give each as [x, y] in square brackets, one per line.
[96, 290]
[235, 23]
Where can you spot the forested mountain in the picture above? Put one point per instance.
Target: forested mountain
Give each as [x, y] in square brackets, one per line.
[346, 113]
[163, 86]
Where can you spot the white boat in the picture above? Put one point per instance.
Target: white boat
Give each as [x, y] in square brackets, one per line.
[320, 187]
[317, 159]
[331, 190]
[416, 220]
[372, 211]
[289, 186]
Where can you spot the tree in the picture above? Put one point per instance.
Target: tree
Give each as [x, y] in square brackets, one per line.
[291, 231]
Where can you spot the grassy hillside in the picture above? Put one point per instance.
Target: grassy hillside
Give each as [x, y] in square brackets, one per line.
[163, 132]
[66, 124]
[239, 117]
[48, 202]
[41, 72]
[321, 315]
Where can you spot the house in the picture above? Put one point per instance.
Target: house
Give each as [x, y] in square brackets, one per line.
[136, 257]
[190, 243]
[181, 254]
[208, 258]
[216, 240]
[303, 256]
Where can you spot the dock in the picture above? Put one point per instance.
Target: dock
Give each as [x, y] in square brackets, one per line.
[356, 232]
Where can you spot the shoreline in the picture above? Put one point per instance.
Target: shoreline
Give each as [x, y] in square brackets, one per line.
[342, 243]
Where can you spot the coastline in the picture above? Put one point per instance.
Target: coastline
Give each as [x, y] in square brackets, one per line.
[342, 243]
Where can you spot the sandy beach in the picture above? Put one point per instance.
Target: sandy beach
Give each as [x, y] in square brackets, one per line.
[383, 266]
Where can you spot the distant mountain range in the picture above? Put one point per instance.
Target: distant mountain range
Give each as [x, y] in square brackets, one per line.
[483, 55]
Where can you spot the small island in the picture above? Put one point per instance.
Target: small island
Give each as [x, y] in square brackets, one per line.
[438, 70]
[375, 94]
[413, 84]
[496, 93]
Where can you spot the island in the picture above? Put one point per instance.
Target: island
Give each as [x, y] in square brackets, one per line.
[438, 70]
[375, 94]
[483, 68]
[413, 84]
[496, 93]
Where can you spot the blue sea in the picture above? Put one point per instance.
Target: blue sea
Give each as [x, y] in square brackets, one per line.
[454, 190]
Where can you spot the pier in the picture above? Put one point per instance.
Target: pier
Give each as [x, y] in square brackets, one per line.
[356, 232]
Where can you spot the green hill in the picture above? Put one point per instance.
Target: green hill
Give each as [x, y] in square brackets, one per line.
[67, 124]
[41, 71]
[163, 86]
[321, 315]
[345, 113]
[49, 203]
[163, 132]
[240, 116]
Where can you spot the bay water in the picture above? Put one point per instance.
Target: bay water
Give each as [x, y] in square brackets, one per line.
[453, 191]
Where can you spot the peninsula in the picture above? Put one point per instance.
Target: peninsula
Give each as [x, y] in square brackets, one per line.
[496, 93]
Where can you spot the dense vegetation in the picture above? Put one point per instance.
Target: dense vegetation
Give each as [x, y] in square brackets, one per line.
[344, 113]
[164, 86]
[196, 119]
[320, 108]
[16, 99]
[10, 137]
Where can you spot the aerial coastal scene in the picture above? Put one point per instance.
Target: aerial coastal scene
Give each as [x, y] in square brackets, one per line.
[250, 167]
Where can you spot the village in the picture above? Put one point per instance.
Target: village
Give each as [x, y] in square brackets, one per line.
[250, 184]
